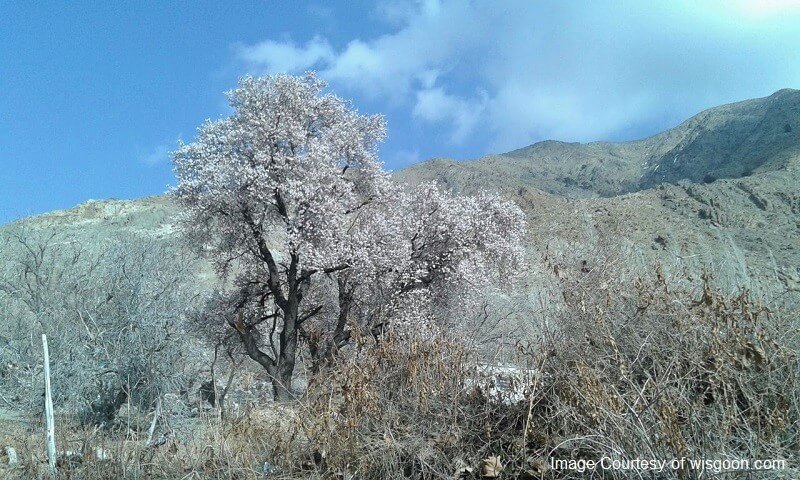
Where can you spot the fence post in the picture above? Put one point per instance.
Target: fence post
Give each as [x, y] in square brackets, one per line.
[48, 411]
[156, 414]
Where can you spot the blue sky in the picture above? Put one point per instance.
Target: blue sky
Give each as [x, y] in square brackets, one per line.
[93, 96]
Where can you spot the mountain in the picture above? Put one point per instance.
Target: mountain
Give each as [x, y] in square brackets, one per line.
[719, 192]
[729, 141]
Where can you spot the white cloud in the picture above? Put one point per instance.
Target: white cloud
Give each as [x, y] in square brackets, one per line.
[436, 106]
[273, 56]
[511, 73]
[519, 114]
[760, 9]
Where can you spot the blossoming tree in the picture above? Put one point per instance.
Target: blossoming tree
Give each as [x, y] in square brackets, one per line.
[289, 200]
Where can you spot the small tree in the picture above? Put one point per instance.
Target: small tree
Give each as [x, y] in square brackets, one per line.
[288, 193]
[113, 313]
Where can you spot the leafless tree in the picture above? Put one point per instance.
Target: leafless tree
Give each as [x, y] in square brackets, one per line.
[113, 311]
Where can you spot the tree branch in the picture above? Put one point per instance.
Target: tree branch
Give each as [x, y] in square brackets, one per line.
[266, 255]
[308, 315]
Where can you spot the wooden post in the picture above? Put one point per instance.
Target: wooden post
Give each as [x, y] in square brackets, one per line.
[48, 411]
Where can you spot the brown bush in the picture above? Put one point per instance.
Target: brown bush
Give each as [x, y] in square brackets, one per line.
[647, 370]
[404, 408]
[660, 373]
[639, 371]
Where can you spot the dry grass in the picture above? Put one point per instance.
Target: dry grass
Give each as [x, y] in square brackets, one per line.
[640, 371]
[645, 370]
[208, 448]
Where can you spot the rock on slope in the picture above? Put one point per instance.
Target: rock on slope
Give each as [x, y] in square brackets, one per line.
[95, 226]
[745, 231]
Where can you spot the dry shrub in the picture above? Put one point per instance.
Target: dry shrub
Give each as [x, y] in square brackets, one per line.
[401, 408]
[642, 370]
[113, 313]
[208, 449]
[647, 370]
[652, 372]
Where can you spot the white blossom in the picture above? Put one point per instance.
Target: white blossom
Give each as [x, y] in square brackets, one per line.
[288, 197]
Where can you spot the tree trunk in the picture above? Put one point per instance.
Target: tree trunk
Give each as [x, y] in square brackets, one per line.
[279, 365]
[281, 387]
[284, 368]
[340, 336]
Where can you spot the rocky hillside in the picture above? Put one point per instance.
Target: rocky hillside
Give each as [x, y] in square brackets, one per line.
[721, 191]
[729, 141]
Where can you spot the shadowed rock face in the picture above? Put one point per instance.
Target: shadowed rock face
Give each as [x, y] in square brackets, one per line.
[720, 191]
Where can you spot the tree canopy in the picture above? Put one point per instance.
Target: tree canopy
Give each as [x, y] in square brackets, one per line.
[290, 201]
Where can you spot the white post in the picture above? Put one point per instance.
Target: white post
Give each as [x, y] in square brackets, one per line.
[48, 411]
[156, 414]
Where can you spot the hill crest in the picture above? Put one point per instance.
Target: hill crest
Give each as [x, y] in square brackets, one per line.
[728, 141]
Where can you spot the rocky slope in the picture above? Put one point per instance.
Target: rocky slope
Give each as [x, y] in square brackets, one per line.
[729, 141]
[745, 231]
[721, 191]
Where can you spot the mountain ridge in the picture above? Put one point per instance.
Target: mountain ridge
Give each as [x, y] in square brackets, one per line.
[727, 141]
